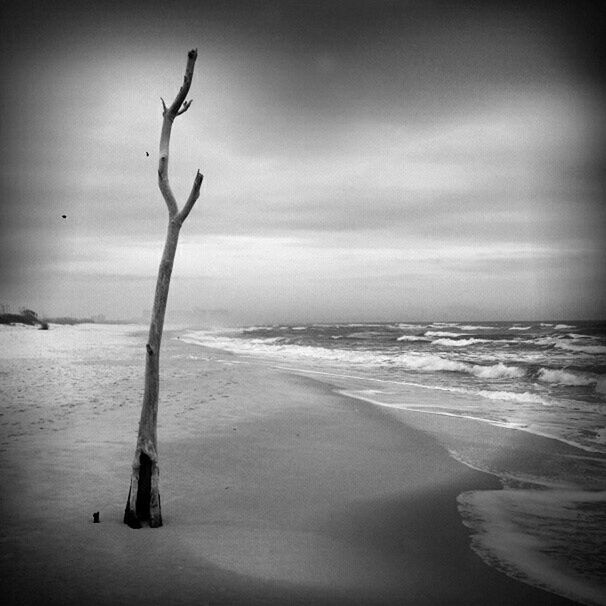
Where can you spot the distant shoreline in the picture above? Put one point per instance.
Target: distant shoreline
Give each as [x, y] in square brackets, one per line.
[29, 319]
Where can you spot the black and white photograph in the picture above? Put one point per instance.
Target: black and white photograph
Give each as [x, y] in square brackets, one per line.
[302, 303]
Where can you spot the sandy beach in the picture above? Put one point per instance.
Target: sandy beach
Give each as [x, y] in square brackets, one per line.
[275, 489]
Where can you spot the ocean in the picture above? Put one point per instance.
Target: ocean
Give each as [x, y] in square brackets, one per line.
[548, 526]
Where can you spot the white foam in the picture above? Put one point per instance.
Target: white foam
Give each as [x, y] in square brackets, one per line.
[472, 327]
[412, 338]
[443, 333]
[512, 396]
[565, 377]
[549, 341]
[409, 361]
[563, 326]
[430, 410]
[590, 349]
[519, 328]
[276, 348]
[497, 371]
[507, 544]
[431, 362]
[458, 342]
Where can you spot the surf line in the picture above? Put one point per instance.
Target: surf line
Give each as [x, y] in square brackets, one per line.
[501, 424]
[404, 407]
[334, 374]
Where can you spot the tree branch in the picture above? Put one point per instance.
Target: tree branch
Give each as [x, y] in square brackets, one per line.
[193, 196]
[178, 106]
[185, 107]
[173, 110]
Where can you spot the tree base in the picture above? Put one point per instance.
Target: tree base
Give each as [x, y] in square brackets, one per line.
[130, 517]
[143, 506]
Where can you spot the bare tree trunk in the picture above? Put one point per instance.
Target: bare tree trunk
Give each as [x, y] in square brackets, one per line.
[143, 503]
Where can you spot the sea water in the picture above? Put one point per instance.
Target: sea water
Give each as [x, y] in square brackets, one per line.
[547, 527]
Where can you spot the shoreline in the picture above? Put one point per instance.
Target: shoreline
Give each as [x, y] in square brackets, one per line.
[497, 538]
[332, 377]
[274, 488]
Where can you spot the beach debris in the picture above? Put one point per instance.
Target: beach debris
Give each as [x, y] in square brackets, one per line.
[96, 517]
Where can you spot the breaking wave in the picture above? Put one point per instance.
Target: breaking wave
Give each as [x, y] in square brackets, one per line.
[511, 396]
[458, 342]
[443, 333]
[429, 363]
[276, 347]
[498, 371]
[589, 349]
[564, 377]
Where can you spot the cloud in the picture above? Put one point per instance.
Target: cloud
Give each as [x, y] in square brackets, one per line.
[409, 148]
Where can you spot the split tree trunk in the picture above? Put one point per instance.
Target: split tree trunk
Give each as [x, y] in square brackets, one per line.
[143, 503]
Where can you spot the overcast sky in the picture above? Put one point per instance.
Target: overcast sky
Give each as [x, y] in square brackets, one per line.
[363, 160]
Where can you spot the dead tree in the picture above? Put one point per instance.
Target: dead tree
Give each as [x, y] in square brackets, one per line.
[143, 504]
